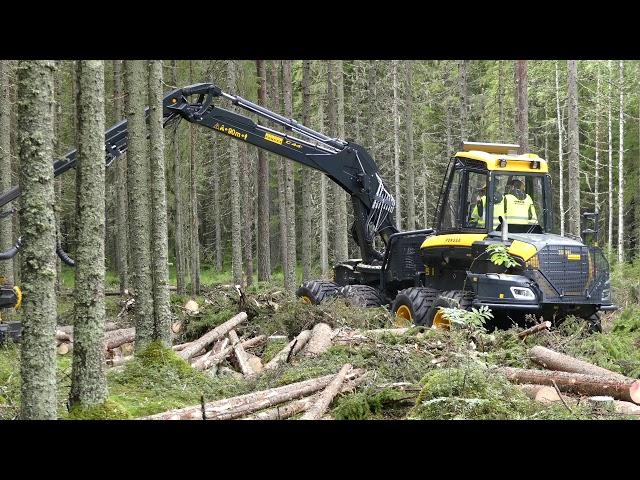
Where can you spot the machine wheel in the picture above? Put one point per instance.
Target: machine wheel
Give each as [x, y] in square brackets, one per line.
[317, 291]
[363, 296]
[448, 299]
[594, 323]
[411, 305]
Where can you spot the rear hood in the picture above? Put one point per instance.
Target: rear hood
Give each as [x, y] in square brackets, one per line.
[541, 240]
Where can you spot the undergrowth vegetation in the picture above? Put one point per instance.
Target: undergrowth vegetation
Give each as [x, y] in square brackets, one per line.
[421, 374]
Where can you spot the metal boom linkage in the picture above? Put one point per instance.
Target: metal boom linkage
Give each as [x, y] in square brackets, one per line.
[347, 164]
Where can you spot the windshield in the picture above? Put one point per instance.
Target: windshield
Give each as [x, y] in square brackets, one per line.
[519, 198]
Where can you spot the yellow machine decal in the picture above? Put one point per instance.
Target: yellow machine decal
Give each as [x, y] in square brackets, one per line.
[273, 138]
[523, 250]
[573, 256]
[230, 131]
[453, 240]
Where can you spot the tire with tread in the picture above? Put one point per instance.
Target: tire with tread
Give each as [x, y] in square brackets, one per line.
[594, 323]
[317, 291]
[363, 296]
[450, 299]
[418, 300]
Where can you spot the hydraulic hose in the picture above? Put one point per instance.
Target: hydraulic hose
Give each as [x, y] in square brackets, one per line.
[9, 254]
[64, 256]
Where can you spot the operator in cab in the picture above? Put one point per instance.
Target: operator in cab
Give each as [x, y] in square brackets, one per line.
[478, 215]
[517, 204]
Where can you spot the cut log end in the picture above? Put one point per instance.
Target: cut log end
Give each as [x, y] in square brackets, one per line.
[634, 391]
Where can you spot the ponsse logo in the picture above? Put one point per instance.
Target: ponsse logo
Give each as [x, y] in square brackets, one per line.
[452, 240]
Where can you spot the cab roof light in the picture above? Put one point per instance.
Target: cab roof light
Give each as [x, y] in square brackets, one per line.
[501, 148]
[535, 165]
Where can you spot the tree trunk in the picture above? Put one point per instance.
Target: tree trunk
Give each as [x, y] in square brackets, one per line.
[621, 171]
[234, 179]
[290, 200]
[326, 397]
[560, 145]
[122, 235]
[552, 360]
[160, 241]
[324, 219]
[501, 126]
[336, 123]
[217, 220]
[610, 206]
[409, 166]
[6, 223]
[179, 202]
[88, 382]
[119, 337]
[522, 106]
[596, 193]
[193, 201]
[293, 347]
[235, 407]
[264, 237]
[247, 211]
[211, 336]
[540, 393]
[464, 99]
[37, 226]
[308, 176]
[139, 202]
[241, 355]
[396, 144]
[573, 171]
[576, 382]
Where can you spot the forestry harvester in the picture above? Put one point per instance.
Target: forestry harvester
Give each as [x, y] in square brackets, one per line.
[489, 197]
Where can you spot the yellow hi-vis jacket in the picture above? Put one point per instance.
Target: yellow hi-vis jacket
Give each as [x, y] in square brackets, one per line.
[519, 212]
[478, 215]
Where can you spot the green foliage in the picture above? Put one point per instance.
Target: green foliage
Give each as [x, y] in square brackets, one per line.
[371, 404]
[109, 410]
[474, 318]
[500, 256]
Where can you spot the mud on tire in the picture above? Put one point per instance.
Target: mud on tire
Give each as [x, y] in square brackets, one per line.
[317, 291]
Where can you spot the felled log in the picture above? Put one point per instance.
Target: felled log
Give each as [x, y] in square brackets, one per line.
[580, 383]
[236, 407]
[68, 329]
[320, 340]
[240, 354]
[553, 360]
[298, 406]
[215, 359]
[319, 408]
[116, 338]
[64, 348]
[535, 329]
[63, 336]
[294, 345]
[180, 346]
[540, 393]
[211, 336]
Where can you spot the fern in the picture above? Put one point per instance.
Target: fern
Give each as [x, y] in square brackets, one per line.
[500, 256]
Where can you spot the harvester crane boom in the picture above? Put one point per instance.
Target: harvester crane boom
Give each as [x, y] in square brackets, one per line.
[347, 164]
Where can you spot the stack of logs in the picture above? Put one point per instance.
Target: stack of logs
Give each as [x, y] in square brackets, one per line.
[118, 342]
[571, 375]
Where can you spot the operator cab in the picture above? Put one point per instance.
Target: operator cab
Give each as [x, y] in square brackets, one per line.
[488, 181]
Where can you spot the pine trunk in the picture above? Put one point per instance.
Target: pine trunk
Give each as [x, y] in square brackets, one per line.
[409, 166]
[308, 177]
[560, 145]
[276, 105]
[396, 144]
[573, 171]
[596, 192]
[122, 236]
[264, 235]
[324, 217]
[621, 170]
[290, 200]
[37, 227]
[501, 126]
[247, 211]
[160, 241]
[464, 99]
[179, 202]
[610, 206]
[234, 186]
[6, 223]
[336, 127]
[139, 202]
[88, 382]
[522, 106]
[193, 204]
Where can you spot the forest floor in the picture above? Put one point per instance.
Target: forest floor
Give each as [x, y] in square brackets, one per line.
[441, 375]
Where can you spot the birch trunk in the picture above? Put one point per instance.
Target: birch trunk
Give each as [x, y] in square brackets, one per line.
[396, 144]
[290, 200]
[522, 106]
[610, 207]
[560, 144]
[234, 186]
[621, 171]
[409, 166]
[308, 176]
[464, 99]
